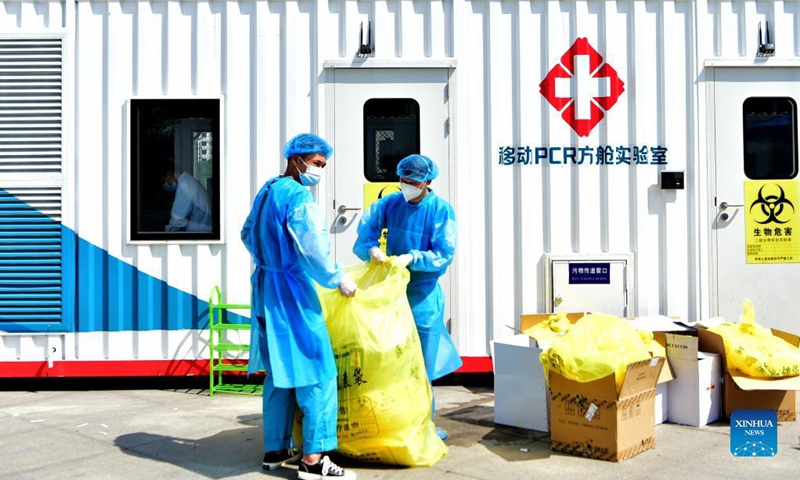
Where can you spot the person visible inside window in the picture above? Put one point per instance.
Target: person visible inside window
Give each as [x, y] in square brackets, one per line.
[191, 209]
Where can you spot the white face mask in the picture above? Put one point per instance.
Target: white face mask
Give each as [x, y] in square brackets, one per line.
[311, 176]
[410, 192]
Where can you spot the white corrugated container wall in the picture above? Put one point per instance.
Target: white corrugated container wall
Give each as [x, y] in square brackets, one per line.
[510, 216]
[265, 59]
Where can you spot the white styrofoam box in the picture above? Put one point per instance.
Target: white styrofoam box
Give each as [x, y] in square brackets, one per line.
[662, 403]
[695, 396]
[520, 390]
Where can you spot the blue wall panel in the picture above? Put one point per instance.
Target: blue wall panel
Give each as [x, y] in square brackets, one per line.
[100, 292]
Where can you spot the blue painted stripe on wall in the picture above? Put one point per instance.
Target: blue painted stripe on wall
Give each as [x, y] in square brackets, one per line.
[104, 293]
[115, 296]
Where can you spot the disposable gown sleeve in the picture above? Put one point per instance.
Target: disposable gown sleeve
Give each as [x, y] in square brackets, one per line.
[247, 228]
[307, 228]
[181, 208]
[443, 244]
[369, 231]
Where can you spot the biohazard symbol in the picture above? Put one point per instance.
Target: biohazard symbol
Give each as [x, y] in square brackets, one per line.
[388, 190]
[773, 207]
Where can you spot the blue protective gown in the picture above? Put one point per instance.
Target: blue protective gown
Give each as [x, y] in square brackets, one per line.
[288, 240]
[191, 210]
[427, 231]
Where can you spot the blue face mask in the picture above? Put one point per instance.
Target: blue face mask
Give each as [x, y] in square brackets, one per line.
[170, 186]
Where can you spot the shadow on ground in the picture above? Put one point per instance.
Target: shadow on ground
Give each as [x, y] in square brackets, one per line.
[475, 424]
[228, 453]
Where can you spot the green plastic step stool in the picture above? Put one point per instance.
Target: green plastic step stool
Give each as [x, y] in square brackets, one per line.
[218, 345]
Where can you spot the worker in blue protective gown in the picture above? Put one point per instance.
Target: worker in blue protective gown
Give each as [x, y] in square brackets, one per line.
[422, 233]
[288, 240]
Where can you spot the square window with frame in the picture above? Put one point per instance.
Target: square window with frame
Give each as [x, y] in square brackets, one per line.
[770, 138]
[175, 169]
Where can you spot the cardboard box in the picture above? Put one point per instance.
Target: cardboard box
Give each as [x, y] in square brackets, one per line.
[662, 391]
[520, 392]
[741, 392]
[592, 420]
[695, 396]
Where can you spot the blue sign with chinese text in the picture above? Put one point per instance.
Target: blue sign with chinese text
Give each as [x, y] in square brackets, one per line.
[589, 273]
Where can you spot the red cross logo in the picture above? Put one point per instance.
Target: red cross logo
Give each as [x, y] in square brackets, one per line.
[583, 86]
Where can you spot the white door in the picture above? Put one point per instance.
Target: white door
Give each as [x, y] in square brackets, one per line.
[380, 116]
[755, 141]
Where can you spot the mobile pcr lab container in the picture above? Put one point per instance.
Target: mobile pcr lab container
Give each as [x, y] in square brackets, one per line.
[619, 156]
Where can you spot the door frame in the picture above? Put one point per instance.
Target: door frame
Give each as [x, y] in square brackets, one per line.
[711, 67]
[329, 129]
[711, 202]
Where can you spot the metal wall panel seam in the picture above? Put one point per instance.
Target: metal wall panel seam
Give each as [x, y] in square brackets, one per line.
[702, 35]
[516, 188]
[500, 229]
[694, 172]
[485, 20]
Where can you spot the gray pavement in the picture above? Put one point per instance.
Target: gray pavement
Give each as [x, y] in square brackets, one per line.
[184, 434]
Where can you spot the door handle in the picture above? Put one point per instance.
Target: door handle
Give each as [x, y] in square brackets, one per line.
[724, 205]
[344, 208]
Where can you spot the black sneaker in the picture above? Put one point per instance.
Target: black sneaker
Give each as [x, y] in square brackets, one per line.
[325, 468]
[273, 460]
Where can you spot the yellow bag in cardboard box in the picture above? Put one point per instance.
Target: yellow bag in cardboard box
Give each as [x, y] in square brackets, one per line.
[597, 345]
[754, 350]
[384, 394]
[556, 325]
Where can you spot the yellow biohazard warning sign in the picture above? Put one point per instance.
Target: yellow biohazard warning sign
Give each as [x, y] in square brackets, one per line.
[374, 192]
[772, 221]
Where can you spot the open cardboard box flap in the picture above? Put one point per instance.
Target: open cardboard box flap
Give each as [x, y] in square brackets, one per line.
[711, 342]
[749, 383]
[639, 377]
[642, 376]
[666, 373]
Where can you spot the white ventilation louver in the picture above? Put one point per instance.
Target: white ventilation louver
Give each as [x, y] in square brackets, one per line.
[30, 105]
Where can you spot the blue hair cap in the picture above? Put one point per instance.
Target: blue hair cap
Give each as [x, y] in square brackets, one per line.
[307, 143]
[418, 168]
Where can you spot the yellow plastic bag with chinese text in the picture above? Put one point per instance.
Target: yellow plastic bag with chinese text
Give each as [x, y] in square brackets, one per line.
[754, 350]
[384, 394]
[556, 325]
[597, 345]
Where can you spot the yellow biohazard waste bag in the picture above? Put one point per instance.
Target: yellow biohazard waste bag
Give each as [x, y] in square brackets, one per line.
[754, 350]
[384, 394]
[655, 348]
[597, 345]
[556, 325]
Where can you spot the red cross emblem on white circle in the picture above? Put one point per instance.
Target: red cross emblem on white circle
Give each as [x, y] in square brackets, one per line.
[583, 88]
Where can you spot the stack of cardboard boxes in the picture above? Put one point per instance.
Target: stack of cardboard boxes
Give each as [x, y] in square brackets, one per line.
[691, 386]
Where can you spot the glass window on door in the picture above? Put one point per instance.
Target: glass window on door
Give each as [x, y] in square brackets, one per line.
[391, 133]
[770, 138]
